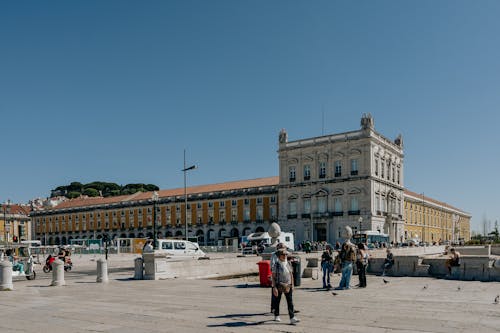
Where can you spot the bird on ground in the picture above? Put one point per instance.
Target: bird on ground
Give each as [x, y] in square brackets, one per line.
[425, 287]
[385, 281]
[459, 288]
[334, 294]
[497, 299]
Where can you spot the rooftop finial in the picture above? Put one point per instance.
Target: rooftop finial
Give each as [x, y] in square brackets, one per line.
[367, 121]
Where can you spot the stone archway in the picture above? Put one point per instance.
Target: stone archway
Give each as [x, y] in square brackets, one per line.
[234, 232]
[201, 236]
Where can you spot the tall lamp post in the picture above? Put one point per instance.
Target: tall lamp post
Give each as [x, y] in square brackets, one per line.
[360, 220]
[6, 229]
[185, 170]
[154, 198]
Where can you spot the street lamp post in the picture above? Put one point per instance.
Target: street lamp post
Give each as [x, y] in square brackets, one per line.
[6, 206]
[154, 198]
[185, 170]
[360, 222]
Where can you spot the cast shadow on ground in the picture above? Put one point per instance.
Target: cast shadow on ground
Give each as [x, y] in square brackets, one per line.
[240, 323]
[246, 285]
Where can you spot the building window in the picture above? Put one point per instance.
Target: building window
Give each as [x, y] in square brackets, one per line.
[272, 212]
[246, 214]
[398, 176]
[307, 206]
[338, 168]
[354, 204]
[291, 172]
[321, 204]
[307, 172]
[322, 169]
[234, 214]
[376, 166]
[388, 170]
[292, 207]
[198, 205]
[338, 205]
[354, 167]
[222, 216]
[234, 203]
[259, 201]
[247, 201]
[260, 214]
[382, 169]
[222, 204]
[273, 199]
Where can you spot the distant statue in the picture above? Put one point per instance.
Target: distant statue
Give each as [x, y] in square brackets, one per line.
[399, 140]
[347, 234]
[274, 231]
[367, 121]
[283, 137]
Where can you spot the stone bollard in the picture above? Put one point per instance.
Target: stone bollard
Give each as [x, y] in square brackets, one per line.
[6, 275]
[139, 269]
[58, 273]
[102, 270]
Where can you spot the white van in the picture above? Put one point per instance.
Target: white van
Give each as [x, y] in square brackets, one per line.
[179, 248]
[258, 241]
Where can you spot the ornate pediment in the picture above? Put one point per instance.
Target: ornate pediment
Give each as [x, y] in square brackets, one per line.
[354, 190]
[338, 192]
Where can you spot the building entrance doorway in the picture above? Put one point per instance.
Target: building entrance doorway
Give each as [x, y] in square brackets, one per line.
[320, 231]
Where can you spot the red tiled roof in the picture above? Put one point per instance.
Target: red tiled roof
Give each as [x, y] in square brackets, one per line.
[15, 209]
[227, 186]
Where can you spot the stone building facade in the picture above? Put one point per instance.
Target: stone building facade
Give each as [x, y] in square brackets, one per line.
[348, 179]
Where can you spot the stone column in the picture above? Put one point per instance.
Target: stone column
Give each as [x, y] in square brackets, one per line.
[102, 270]
[139, 269]
[6, 275]
[58, 273]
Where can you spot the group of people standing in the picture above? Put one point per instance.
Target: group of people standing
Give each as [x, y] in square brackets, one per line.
[348, 255]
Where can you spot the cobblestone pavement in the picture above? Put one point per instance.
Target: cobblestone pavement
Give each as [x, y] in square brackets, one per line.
[240, 305]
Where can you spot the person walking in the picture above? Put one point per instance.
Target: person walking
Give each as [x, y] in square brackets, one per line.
[327, 266]
[282, 283]
[361, 264]
[347, 258]
[273, 261]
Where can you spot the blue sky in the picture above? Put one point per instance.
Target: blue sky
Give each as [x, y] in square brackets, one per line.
[115, 90]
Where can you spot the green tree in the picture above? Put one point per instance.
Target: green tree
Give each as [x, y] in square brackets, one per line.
[91, 192]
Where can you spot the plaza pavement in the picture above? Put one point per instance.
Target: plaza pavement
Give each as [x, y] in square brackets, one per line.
[239, 305]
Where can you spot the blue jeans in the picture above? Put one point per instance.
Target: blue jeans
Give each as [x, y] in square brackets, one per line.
[346, 275]
[327, 270]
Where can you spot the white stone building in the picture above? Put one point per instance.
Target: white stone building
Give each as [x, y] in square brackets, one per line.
[353, 178]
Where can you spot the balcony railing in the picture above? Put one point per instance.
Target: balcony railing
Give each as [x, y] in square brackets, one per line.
[292, 180]
[292, 216]
[353, 212]
[307, 177]
[338, 174]
[354, 172]
[306, 216]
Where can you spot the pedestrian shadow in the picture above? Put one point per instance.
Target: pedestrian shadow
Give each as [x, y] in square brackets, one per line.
[234, 315]
[313, 290]
[238, 324]
[246, 285]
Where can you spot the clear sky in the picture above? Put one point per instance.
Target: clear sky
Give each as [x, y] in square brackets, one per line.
[115, 90]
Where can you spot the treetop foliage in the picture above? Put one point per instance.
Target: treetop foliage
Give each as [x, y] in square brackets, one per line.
[96, 189]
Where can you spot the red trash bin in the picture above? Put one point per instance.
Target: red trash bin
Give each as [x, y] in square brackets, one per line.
[265, 273]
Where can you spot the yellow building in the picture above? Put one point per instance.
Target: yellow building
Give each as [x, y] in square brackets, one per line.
[430, 221]
[14, 223]
[215, 213]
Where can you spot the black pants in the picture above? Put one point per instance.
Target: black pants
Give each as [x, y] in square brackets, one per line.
[361, 274]
[273, 301]
[289, 301]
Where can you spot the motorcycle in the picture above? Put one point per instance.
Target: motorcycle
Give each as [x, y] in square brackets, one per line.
[68, 264]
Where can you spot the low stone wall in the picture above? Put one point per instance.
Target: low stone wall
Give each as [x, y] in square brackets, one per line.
[157, 267]
[483, 250]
